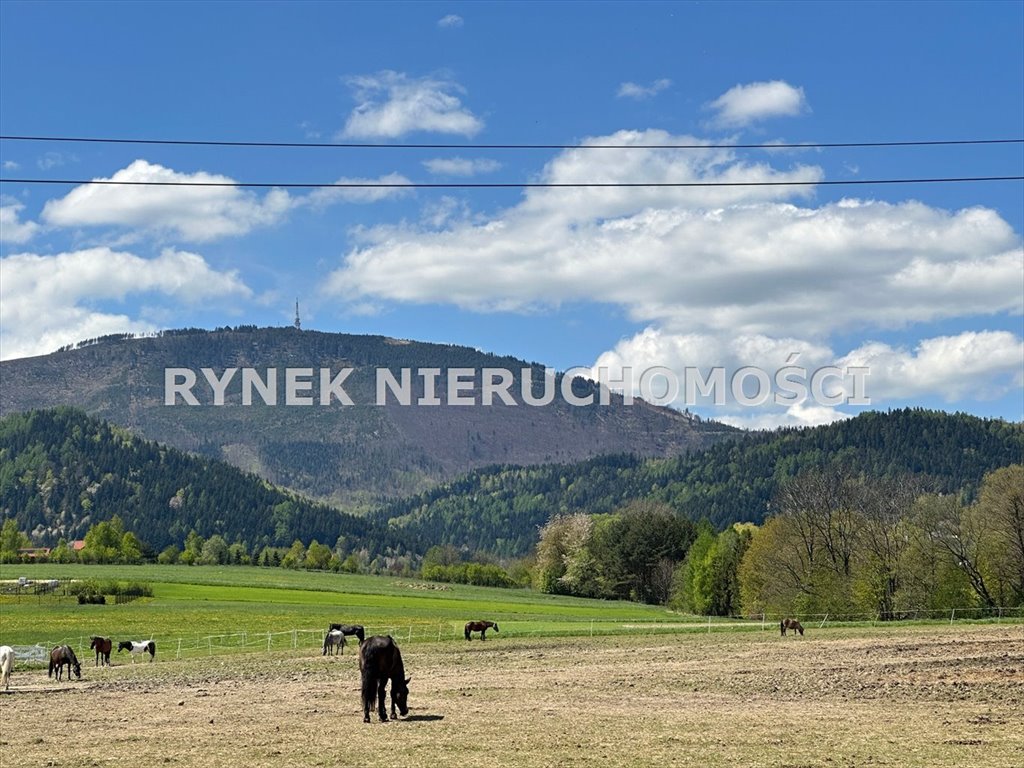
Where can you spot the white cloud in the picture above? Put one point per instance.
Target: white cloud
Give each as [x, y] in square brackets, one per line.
[745, 104]
[451, 21]
[10, 165]
[977, 364]
[49, 301]
[191, 213]
[461, 166]
[12, 229]
[50, 160]
[391, 104]
[639, 92]
[372, 193]
[700, 259]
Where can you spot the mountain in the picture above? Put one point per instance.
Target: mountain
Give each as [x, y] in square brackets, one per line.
[500, 508]
[353, 455]
[62, 471]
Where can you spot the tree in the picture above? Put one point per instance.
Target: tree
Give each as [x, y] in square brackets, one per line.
[318, 556]
[11, 540]
[131, 549]
[103, 542]
[295, 555]
[1001, 504]
[169, 555]
[214, 551]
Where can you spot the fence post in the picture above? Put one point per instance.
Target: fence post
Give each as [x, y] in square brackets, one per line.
[268, 642]
[762, 621]
[295, 640]
[709, 623]
[952, 614]
[410, 633]
[178, 654]
[822, 625]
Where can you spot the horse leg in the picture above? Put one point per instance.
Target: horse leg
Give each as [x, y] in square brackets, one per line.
[381, 686]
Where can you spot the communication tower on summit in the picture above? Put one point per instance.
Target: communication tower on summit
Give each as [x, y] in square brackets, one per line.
[298, 323]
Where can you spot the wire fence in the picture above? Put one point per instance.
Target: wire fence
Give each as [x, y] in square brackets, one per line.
[308, 639]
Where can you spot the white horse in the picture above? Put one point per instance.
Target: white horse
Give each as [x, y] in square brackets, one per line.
[6, 665]
[334, 639]
[135, 647]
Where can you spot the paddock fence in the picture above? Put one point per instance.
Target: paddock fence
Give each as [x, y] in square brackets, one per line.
[309, 639]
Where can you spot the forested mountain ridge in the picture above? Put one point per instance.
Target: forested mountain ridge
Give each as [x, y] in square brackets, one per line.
[62, 471]
[350, 455]
[501, 508]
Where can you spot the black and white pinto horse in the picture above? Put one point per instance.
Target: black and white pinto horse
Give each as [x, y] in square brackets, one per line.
[350, 629]
[334, 639]
[135, 647]
[381, 661]
[60, 656]
[6, 665]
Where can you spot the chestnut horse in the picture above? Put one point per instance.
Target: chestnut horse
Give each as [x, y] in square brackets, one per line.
[481, 627]
[793, 624]
[102, 646]
[60, 656]
[380, 661]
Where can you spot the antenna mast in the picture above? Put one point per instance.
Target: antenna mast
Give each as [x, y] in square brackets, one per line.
[298, 323]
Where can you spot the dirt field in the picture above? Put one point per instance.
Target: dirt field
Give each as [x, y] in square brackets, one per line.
[931, 697]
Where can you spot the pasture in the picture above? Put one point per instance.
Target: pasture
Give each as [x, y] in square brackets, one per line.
[648, 688]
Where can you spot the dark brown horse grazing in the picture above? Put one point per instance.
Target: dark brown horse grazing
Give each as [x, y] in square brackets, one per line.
[380, 661]
[102, 646]
[349, 629]
[793, 624]
[60, 656]
[481, 627]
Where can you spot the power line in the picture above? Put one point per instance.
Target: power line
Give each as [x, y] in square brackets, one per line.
[511, 185]
[350, 145]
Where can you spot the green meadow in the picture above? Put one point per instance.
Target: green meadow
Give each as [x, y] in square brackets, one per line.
[209, 609]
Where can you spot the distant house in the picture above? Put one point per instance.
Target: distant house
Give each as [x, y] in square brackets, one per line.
[33, 553]
[78, 545]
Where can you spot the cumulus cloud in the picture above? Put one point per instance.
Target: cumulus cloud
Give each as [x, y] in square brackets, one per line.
[723, 276]
[49, 301]
[12, 229]
[979, 364]
[726, 258]
[742, 105]
[460, 166]
[192, 213]
[392, 104]
[640, 92]
[451, 21]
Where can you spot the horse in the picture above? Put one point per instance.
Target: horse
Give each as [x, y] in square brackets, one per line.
[102, 646]
[380, 661]
[334, 639]
[481, 627]
[60, 656]
[138, 646]
[6, 665]
[350, 629]
[793, 624]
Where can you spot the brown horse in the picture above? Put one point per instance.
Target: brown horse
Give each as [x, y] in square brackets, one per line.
[60, 656]
[793, 624]
[102, 646]
[481, 627]
[380, 661]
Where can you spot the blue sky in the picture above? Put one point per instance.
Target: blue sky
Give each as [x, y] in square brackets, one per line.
[922, 284]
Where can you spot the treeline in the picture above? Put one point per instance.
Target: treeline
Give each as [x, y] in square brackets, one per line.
[499, 509]
[108, 542]
[62, 472]
[837, 542]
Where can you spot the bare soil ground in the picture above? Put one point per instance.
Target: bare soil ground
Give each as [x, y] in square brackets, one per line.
[930, 696]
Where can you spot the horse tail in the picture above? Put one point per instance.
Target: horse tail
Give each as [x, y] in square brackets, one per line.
[468, 630]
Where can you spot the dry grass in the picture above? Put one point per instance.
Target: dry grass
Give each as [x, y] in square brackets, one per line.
[900, 697]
